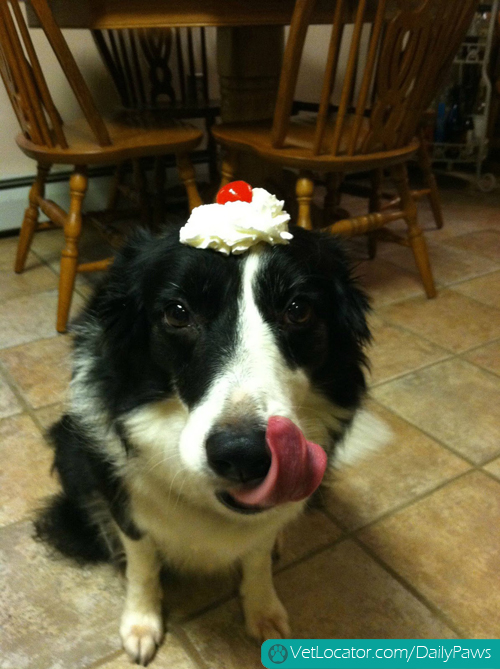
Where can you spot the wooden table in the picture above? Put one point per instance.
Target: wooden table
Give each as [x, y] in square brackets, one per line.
[248, 76]
[163, 13]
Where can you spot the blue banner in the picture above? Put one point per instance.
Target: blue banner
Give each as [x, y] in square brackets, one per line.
[381, 653]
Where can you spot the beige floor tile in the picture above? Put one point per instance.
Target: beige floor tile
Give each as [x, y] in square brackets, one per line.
[33, 280]
[49, 415]
[453, 401]
[340, 593]
[485, 289]
[448, 264]
[31, 317]
[385, 283]
[487, 357]
[54, 614]
[452, 321]
[25, 470]
[483, 243]
[313, 530]
[8, 248]
[455, 225]
[396, 351]
[494, 468]
[189, 594]
[446, 546]
[48, 245]
[41, 369]
[409, 466]
[171, 655]
[8, 401]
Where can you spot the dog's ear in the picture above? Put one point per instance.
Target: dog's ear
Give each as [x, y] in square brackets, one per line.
[350, 303]
[118, 304]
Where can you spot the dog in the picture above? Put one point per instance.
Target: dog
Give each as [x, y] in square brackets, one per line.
[193, 372]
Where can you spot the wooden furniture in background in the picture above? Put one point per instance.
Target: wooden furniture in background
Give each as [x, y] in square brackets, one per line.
[141, 63]
[407, 57]
[89, 140]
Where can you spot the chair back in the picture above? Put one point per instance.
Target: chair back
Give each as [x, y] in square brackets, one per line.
[140, 63]
[411, 45]
[26, 86]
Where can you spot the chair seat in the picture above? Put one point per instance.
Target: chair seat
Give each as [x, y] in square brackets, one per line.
[133, 135]
[298, 148]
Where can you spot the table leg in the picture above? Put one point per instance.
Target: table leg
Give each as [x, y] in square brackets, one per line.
[249, 64]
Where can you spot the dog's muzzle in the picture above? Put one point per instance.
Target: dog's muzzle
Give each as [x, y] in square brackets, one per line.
[269, 467]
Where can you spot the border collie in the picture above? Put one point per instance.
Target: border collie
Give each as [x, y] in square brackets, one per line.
[193, 374]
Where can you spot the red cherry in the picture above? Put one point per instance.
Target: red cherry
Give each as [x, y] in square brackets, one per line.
[234, 191]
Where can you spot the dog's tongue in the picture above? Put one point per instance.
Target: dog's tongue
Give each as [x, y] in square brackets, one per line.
[297, 467]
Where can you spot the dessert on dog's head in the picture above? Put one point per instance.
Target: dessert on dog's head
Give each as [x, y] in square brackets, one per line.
[241, 218]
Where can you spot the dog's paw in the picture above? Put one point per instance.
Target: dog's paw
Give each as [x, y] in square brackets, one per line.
[141, 635]
[268, 621]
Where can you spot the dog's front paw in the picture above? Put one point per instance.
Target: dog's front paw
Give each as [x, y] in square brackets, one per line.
[267, 621]
[141, 635]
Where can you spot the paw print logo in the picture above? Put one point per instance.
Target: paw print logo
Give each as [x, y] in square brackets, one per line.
[278, 653]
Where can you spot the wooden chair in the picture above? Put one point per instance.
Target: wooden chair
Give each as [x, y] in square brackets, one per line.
[412, 42]
[140, 62]
[89, 140]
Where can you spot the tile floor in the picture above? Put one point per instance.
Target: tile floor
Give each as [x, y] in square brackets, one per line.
[407, 542]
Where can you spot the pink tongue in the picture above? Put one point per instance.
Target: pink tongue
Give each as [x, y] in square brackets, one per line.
[297, 467]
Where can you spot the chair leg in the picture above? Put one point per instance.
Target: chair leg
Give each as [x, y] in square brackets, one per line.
[141, 186]
[416, 238]
[188, 176]
[430, 180]
[30, 220]
[69, 257]
[212, 150]
[375, 205]
[332, 197]
[114, 193]
[304, 189]
[160, 176]
[228, 167]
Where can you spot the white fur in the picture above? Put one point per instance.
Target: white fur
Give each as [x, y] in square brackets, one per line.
[366, 434]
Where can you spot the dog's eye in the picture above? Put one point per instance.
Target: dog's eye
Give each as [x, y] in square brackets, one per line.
[299, 312]
[177, 316]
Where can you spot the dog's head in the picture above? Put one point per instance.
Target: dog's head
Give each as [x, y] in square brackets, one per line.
[217, 360]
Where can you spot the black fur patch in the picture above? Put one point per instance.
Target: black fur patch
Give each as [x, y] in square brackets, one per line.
[314, 269]
[88, 480]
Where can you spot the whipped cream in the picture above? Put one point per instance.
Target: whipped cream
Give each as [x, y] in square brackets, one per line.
[234, 227]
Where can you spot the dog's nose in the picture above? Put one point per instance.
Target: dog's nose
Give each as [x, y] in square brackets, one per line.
[238, 454]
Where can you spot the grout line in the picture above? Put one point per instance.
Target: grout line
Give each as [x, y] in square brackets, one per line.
[26, 407]
[401, 375]
[206, 609]
[107, 658]
[485, 370]
[429, 605]
[31, 341]
[490, 475]
[472, 278]
[428, 434]
[404, 505]
[188, 646]
[21, 521]
[475, 348]
[434, 363]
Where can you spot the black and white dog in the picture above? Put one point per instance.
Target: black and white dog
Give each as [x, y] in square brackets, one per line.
[203, 388]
